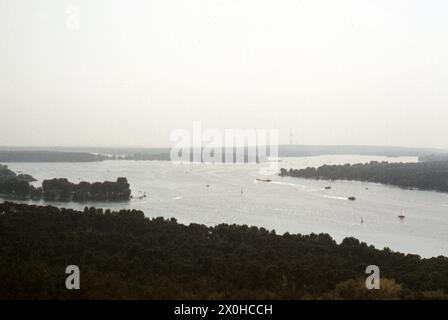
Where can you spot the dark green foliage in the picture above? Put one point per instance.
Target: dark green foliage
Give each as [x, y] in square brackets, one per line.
[13, 184]
[6, 174]
[63, 190]
[15, 188]
[123, 255]
[422, 175]
[18, 186]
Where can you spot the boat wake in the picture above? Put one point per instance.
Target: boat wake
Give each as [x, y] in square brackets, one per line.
[336, 198]
[295, 185]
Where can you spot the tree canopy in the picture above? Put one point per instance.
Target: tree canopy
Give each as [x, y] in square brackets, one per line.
[123, 255]
[422, 175]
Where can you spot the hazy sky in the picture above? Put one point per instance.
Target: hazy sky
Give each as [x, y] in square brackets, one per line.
[129, 72]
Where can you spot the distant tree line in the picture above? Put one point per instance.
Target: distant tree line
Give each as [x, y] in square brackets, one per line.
[434, 157]
[18, 186]
[123, 255]
[48, 156]
[145, 157]
[91, 154]
[422, 175]
[385, 151]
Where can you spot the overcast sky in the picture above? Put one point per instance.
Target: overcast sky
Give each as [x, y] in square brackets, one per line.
[127, 73]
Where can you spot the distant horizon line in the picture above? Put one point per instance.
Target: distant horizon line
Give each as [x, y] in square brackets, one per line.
[4, 147]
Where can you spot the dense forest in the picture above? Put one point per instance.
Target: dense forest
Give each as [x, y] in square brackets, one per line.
[422, 175]
[18, 186]
[123, 255]
[64, 190]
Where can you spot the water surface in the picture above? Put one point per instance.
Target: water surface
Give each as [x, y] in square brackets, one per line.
[286, 204]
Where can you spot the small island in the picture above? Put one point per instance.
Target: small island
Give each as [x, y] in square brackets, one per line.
[422, 175]
[20, 187]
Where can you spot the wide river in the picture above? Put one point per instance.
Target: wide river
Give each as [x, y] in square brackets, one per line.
[213, 194]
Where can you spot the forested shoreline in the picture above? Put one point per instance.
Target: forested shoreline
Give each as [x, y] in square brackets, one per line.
[431, 175]
[96, 154]
[48, 156]
[123, 255]
[19, 186]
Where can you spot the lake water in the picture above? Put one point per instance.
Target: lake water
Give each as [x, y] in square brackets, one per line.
[286, 204]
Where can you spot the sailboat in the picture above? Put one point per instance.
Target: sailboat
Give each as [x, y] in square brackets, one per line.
[401, 216]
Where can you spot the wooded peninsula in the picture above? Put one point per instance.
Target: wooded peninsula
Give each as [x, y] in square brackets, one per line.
[18, 186]
[431, 175]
